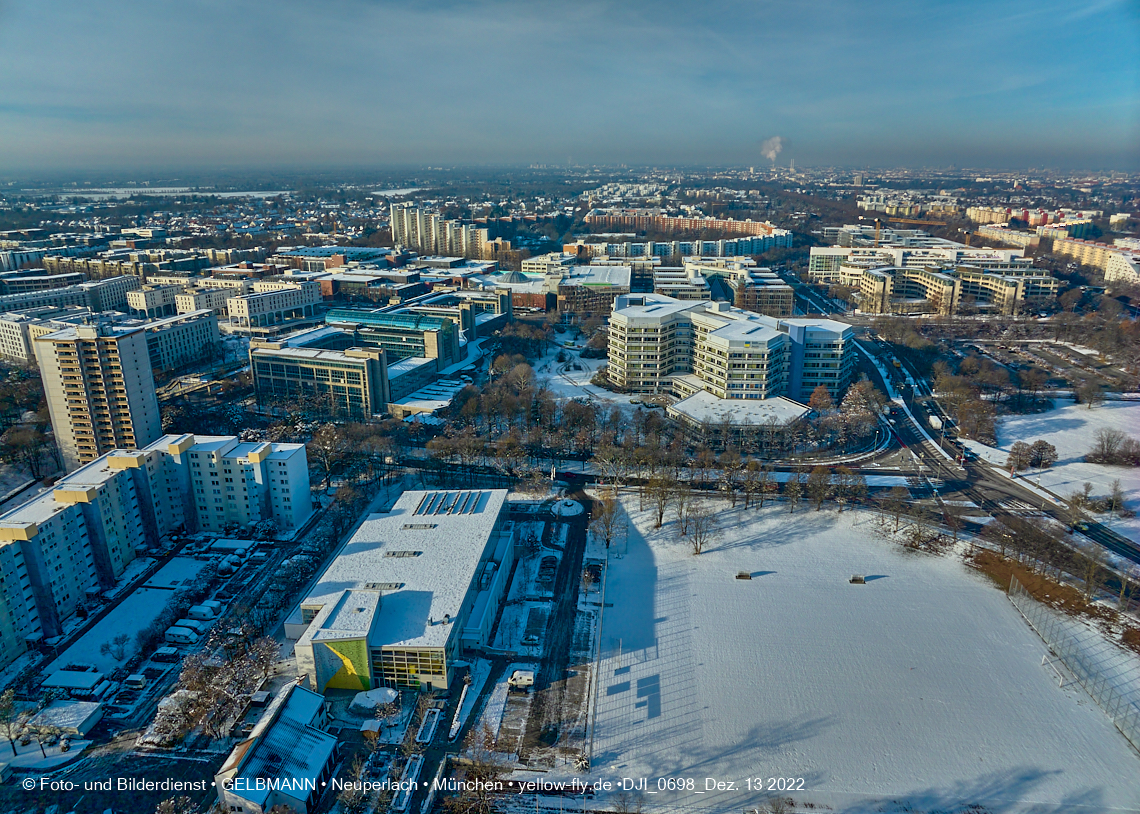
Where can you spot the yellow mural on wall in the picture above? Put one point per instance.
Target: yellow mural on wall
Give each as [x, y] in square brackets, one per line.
[354, 672]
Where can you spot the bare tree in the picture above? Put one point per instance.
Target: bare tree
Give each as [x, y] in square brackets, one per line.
[628, 803]
[702, 526]
[328, 451]
[116, 648]
[1092, 563]
[606, 518]
[819, 486]
[681, 500]
[897, 501]
[662, 491]
[1116, 498]
[11, 718]
[177, 805]
[485, 767]
[794, 490]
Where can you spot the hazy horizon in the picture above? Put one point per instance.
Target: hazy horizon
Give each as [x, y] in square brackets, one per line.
[374, 85]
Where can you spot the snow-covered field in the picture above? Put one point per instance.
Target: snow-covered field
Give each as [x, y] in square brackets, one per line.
[922, 688]
[1071, 428]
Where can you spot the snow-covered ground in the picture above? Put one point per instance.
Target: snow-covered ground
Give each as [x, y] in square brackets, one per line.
[1071, 428]
[179, 573]
[565, 383]
[480, 670]
[492, 717]
[131, 615]
[921, 688]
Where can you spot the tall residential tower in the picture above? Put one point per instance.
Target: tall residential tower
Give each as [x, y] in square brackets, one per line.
[100, 390]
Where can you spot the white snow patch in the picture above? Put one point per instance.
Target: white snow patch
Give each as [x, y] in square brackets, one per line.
[131, 615]
[1072, 428]
[568, 508]
[923, 686]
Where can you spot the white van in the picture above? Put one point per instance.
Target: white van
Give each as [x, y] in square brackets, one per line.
[180, 635]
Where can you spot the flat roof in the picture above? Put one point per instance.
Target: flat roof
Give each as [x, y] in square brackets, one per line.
[429, 545]
[407, 365]
[434, 396]
[705, 408]
[598, 275]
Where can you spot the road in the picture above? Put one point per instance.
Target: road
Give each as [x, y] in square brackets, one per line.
[990, 489]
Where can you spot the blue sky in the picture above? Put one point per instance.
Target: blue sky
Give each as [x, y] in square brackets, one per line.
[232, 83]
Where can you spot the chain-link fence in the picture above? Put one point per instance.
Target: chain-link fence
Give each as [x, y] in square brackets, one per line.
[1102, 687]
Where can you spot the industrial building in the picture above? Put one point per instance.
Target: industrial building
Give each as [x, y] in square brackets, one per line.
[413, 589]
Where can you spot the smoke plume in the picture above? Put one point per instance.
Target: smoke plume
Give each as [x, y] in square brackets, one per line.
[771, 148]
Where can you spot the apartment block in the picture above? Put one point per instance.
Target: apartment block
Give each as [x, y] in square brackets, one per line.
[240, 482]
[1089, 253]
[641, 221]
[728, 247]
[100, 390]
[1122, 267]
[62, 547]
[430, 233]
[153, 301]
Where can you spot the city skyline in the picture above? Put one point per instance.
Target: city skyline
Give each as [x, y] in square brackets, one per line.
[372, 84]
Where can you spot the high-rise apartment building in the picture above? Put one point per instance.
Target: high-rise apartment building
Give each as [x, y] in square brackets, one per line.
[100, 390]
[62, 548]
[431, 233]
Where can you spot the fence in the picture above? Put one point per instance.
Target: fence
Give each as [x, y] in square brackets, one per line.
[1124, 712]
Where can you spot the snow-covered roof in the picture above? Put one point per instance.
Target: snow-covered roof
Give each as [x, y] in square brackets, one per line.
[284, 745]
[417, 561]
[705, 408]
[69, 716]
[598, 275]
[435, 396]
